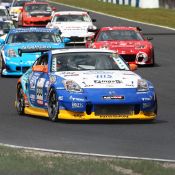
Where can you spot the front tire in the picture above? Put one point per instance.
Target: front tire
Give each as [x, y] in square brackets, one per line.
[53, 106]
[2, 65]
[20, 105]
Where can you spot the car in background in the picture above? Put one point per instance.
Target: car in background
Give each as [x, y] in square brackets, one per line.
[13, 63]
[4, 15]
[6, 3]
[15, 8]
[5, 27]
[129, 42]
[84, 84]
[73, 25]
[35, 14]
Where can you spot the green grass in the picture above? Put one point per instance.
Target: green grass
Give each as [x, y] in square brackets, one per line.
[159, 16]
[25, 162]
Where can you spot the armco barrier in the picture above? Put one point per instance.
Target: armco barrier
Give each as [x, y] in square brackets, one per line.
[136, 3]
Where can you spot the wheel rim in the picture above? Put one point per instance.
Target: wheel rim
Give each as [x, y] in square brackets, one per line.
[20, 101]
[53, 107]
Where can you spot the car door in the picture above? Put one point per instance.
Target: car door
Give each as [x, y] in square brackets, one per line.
[38, 83]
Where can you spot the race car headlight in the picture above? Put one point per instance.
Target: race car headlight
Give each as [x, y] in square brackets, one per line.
[141, 47]
[142, 85]
[72, 86]
[11, 53]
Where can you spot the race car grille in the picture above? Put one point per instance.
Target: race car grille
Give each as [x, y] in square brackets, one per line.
[129, 58]
[76, 39]
[40, 22]
[116, 109]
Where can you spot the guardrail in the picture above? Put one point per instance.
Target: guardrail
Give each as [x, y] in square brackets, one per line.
[136, 3]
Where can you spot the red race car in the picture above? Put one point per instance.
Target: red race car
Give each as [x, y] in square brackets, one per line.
[35, 14]
[127, 41]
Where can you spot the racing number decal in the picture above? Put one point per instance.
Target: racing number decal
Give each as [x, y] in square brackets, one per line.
[39, 90]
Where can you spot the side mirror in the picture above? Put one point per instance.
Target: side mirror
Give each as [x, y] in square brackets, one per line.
[92, 29]
[132, 67]
[66, 40]
[40, 68]
[2, 41]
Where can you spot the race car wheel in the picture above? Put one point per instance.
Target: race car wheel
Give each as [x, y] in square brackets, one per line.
[53, 110]
[20, 100]
[2, 65]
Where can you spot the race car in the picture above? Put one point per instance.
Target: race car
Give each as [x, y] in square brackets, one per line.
[35, 14]
[32, 39]
[84, 84]
[5, 27]
[15, 8]
[6, 3]
[4, 15]
[73, 25]
[129, 42]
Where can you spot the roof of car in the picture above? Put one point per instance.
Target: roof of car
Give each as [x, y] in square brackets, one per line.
[71, 13]
[34, 2]
[73, 50]
[119, 28]
[2, 7]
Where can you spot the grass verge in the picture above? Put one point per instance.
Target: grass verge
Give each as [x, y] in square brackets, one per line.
[27, 162]
[160, 16]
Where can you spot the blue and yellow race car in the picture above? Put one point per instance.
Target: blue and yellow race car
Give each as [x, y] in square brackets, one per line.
[84, 84]
[30, 39]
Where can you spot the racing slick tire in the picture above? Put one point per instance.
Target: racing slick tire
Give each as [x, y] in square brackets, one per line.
[53, 106]
[2, 65]
[20, 105]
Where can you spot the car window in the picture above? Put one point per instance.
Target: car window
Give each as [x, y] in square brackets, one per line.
[71, 18]
[119, 35]
[87, 61]
[42, 60]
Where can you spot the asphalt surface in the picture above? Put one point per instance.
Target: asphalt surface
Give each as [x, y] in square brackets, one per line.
[140, 139]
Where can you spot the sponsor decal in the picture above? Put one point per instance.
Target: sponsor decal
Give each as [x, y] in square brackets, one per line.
[87, 85]
[108, 81]
[47, 84]
[78, 115]
[60, 98]
[32, 96]
[33, 82]
[147, 99]
[114, 116]
[76, 99]
[103, 76]
[117, 97]
[39, 93]
[53, 79]
[77, 105]
[40, 102]
[36, 47]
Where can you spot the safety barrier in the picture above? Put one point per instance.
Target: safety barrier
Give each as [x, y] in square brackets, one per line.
[136, 3]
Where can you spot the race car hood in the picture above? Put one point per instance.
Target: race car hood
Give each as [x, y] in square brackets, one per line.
[102, 79]
[114, 45]
[72, 28]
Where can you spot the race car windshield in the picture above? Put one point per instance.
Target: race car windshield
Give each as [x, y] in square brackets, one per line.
[19, 3]
[87, 61]
[5, 26]
[71, 18]
[38, 7]
[123, 35]
[33, 37]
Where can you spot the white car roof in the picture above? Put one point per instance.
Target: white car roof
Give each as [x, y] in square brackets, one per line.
[2, 7]
[57, 51]
[71, 12]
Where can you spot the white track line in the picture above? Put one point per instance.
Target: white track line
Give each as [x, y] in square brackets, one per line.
[87, 154]
[150, 24]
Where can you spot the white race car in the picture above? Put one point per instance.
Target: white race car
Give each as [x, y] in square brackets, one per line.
[73, 25]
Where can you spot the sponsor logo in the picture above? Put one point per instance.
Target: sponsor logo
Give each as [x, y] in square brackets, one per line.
[77, 105]
[60, 98]
[118, 97]
[76, 99]
[53, 79]
[104, 76]
[40, 102]
[32, 96]
[114, 116]
[108, 81]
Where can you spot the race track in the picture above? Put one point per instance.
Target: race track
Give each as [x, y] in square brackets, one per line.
[138, 139]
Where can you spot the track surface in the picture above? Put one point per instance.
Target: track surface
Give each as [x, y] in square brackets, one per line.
[156, 140]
